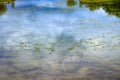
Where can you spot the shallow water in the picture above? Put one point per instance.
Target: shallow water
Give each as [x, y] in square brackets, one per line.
[52, 40]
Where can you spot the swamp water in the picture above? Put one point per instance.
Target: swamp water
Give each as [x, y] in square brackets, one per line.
[55, 40]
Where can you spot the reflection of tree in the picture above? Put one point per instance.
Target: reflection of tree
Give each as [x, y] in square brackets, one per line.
[112, 8]
[98, 1]
[3, 3]
[13, 3]
[70, 2]
[2, 9]
[6, 1]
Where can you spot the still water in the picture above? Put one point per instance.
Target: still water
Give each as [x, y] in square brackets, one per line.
[55, 40]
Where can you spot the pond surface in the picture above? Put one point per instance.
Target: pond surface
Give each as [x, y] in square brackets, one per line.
[55, 40]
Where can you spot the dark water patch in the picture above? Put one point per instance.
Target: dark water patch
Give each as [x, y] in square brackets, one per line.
[103, 74]
[6, 63]
[31, 69]
[81, 63]
[6, 53]
[6, 57]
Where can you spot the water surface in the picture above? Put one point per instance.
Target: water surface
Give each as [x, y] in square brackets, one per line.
[58, 40]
